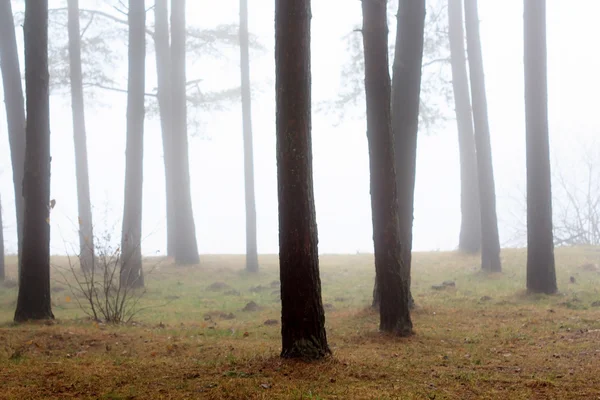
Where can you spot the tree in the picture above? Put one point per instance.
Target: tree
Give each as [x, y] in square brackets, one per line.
[163, 72]
[302, 315]
[251, 246]
[391, 277]
[185, 246]
[131, 239]
[33, 301]
[2, 273]
[15, 111]
[470, 223]
[541, 274]
[490, 240]
[84, 206]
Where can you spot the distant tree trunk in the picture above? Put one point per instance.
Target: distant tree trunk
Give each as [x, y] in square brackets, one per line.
[185, 246]
[33, 301]
[131, 239]
[490, 240]
[15, 111]
[84, 207]
[302, 315]
[541, 274]
[163, 72]
[2, 272]
[391, 278]
[251, 246]
[470, 223]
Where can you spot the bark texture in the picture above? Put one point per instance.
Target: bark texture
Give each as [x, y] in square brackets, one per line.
[131, 239]
[33, 301]
[15, 110]
[250, 201]
[470, 222]
[302, 315]
[541, 274]
[490, 240]
[185, 246]
[391, 280]
[163, 71]
[84, 206]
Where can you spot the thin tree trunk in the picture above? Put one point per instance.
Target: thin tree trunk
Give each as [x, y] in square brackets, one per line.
[391, 279]
[541, 274]
[302, 315]
[131, 239]
[250, 201]
[186, 245]
[406, 90]
[163, 72]
[490, 240]
[86, 241]
[33, 301]
[15, 111]
[470, 223]
[2, 269]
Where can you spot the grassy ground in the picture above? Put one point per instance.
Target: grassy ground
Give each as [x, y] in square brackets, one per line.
[485, 338]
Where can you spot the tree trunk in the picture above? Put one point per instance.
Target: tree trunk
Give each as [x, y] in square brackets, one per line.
[33, 301]
[15, 111]
[84, 207]
[163, 72]
[490, 240]
[251, 246]
[391, 279]
[302, 315]
[2, 269]
[541, 274]
[186, 245]
[470, 223]
[131, 239]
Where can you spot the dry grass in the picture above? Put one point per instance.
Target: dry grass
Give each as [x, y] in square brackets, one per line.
[467, 346]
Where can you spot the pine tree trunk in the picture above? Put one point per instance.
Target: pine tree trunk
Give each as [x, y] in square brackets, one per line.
[391, 279]
[470, 223]
[15, 111]
[302, 315]
[186, 245]
[2, 268]
[33, 301]
[490, 240]
[84, 207]
[250, 201]
[131, 239]
[163, 72]
[406, 90]
[541, 274]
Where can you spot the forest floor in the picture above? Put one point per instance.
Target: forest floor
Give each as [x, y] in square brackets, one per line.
[484, 338]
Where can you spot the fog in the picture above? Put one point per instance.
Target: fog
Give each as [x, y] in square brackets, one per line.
[341, 171]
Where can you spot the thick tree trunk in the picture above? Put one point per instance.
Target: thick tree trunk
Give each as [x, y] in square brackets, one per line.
[490, 240]
[84, 207]
[163, 72]
[470, 223]
[302, 315]
[33, 301]
[186, 245]
[2, 269]
[15, 111]
[131, 239]
[541, 274]
[391, 279]
[251, 246]
[406, 90]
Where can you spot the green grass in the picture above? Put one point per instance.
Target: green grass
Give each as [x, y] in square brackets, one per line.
[485, 338]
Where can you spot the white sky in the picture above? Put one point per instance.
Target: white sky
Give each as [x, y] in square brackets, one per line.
[340, 153]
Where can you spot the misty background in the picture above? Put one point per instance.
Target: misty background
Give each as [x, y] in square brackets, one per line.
[341, 169]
